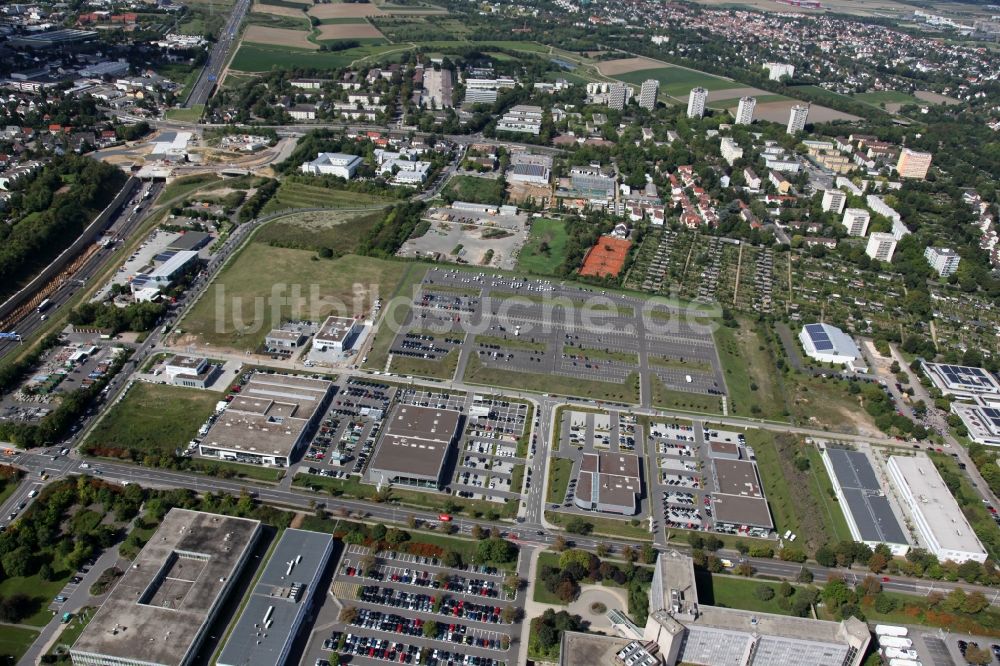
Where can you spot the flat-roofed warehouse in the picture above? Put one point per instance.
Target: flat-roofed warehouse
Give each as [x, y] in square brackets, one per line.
[415, 446]
[939, 520]
[268, 421]
[867, 510]
[739, 502]
[161, 609]
[280, 602]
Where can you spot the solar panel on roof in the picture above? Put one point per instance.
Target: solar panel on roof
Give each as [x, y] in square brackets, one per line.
[163, 256]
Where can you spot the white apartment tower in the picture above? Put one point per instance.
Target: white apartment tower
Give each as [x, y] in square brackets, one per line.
[647, 94]
[944, 260]
[834, 200]
[881, 246]
[856, 221]
[797, 118]
[696, 102]
[744, 112]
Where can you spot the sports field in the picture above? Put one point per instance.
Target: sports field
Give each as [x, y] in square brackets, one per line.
[254, 292]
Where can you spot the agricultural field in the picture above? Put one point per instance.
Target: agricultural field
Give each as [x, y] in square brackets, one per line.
[678, 81]
[293, 21]
[253, 57]
[362, 32]
[294, 39]
[292, 195]
[546, 247]
[227, 317]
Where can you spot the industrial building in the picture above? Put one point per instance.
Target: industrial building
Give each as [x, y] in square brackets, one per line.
[962, 381]
[415, 446]
[679, 630]
[280, 602]
[162, 608]
[268, 421]
[170, 267]
[609, 482]
[333, 164]
[829, 344]
[861, 497]
[940, 523]
[190, 371]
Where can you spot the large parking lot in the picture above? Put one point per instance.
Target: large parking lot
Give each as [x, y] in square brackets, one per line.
[546, 327]
[402, 608]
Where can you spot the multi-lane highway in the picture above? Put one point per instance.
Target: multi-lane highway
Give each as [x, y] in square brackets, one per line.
[121, 228]
[218, 56]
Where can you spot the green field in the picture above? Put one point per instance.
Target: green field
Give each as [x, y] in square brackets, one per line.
[191, 115]
[888, 97]
[730, 592]
[613, 527]
[442, 368]
[544, 259]
[602, 354]
[693, 402]
[187, 185]
[678, 81]
[627, 391]
[300, 195]
[753, 382]
[513, 343]
[559, 471]
[153, 418]
[228, 316]
[335, 230]
[15, 641]
[475, 190]
[253, 57]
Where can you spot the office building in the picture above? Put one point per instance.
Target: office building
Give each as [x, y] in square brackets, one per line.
[609, 482]
[939, 521]
[731, 150]
[414, 447]
[869, 514]
[744, 112]
[696, 102]
[270, 419]
[944, 260]
[680, 629]
[280, 602]
[647, 94]
[337, 333]
[333, 164]
[485, 91]
[829, 344]
[881, 246]
[962, 381]
[797, 118]
[856, 221]
[834, 200]
[161, 610]
[913, 164]
[981, 420]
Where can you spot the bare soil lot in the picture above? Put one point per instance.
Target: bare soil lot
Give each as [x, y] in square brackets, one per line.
[626, 65]
[735, 93]
[279, 37]
[345, 10]
[777, 112]
[935, 98]
[349, 31]
[473, 243]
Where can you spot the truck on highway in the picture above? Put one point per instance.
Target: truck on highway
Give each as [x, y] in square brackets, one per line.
[44, 305]
[890, 630]
[895, 642]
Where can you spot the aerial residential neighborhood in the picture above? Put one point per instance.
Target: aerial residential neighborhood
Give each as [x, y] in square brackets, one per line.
[492, 334]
